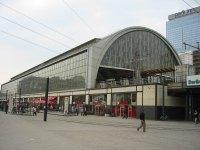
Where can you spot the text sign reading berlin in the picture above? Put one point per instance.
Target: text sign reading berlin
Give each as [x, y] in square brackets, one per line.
[193, 80]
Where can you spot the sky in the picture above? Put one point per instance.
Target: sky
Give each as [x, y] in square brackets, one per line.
[64, 24]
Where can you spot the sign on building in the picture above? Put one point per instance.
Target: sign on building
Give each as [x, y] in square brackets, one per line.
[193, 80]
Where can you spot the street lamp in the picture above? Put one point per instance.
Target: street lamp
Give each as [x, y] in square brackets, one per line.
[46, 99]
[163, 117]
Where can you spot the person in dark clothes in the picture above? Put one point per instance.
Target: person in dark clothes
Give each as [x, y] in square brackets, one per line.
[142, 119]
[196, 116]
[84, 111]
[77, 111]
[6, 109]
[34, 111]
[125, 112]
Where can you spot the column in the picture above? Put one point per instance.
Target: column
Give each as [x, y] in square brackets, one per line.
[70, 99]
[87, 100]
[109, 100]
[58, 100]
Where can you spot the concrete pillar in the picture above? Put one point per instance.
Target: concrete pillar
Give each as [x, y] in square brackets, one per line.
[66, 104]
[187, 108]
[70, 99]
[10, 102]
[190, 106]
[87, 100]
[58, 100]
[109, 100]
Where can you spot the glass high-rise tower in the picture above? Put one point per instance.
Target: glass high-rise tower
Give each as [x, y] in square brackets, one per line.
[184, 27]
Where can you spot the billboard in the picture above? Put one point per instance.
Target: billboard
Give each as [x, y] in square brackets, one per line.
[193, 80]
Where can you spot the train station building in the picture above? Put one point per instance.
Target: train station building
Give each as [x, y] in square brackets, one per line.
[130, 69]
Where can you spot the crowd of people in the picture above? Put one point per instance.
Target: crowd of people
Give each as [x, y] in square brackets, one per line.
[76, 110]
[24, 109]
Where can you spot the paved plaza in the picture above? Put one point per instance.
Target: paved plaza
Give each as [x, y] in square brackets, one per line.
[19, 132]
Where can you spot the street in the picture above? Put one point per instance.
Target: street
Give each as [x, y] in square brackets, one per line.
[19, 132]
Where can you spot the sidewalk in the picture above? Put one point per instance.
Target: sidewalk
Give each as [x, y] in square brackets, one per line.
[128, 123]
[20, 132]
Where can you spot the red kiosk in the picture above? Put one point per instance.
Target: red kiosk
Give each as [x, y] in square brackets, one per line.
[99, 108]
[119, 109]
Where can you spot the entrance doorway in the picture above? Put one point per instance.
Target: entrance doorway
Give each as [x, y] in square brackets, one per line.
[124, 105]
[99, 104]
[192, 102]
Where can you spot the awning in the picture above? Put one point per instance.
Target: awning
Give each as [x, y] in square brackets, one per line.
[51, 100]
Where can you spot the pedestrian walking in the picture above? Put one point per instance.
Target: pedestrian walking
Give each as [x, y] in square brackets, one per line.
[125, 112]
[77, 110]
[81, 110]
[34, 111]
[143, 123]
[6, 109]
[73, 110]
[84, 111]
[195, 116]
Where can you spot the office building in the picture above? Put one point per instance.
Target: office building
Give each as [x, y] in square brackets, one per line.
[196, 61]
[184, 27]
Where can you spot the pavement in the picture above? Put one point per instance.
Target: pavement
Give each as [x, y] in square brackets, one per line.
[18, 132]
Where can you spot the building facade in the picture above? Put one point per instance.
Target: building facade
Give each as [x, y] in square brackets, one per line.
[125, 70]
[186, 58]
[184, 27]
[196, 61]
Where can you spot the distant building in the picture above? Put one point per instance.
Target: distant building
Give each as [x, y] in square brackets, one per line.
[182, 71]
[186, 58]
[182, 27]
[196, 61]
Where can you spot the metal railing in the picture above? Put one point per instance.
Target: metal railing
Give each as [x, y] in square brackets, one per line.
[141, 81]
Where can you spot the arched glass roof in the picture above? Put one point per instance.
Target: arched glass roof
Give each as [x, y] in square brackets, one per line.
[141, 49]
[138, 49]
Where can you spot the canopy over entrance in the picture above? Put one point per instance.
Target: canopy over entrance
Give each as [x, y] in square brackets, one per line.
[51, 100]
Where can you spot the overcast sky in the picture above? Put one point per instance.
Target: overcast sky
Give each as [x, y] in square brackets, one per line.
[78, 21]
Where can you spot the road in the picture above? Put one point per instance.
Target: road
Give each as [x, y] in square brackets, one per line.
[19, 132]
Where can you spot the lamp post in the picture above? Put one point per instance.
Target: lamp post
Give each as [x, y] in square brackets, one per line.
[163, 117]
[46, 99]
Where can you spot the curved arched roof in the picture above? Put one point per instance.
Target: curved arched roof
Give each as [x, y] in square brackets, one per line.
[100, 48]
[106, 42]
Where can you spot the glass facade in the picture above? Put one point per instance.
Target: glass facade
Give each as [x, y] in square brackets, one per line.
[64, 75]
[119, 97]
[139, 49]
[184, 29]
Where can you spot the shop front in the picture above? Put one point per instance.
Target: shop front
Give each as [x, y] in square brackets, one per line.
[78, 104]
[40, 103]
[99, 104]
[124, 105]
